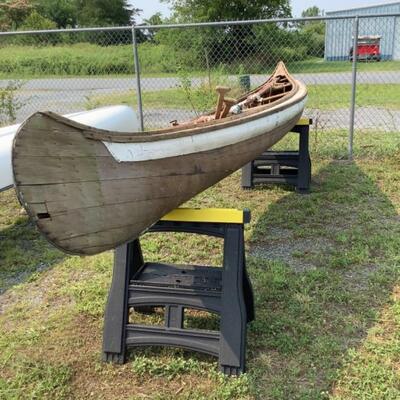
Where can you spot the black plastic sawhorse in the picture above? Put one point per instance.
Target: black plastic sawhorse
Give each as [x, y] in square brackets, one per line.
[290, 167]
[226, 291]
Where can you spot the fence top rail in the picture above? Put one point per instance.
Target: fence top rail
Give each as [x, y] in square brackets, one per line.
[198, 24]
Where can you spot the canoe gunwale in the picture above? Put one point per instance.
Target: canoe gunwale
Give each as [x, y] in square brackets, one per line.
[3, 189]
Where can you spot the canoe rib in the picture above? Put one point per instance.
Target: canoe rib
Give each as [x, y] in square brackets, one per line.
[86, 199]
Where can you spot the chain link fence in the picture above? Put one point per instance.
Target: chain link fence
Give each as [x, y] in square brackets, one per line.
[66, 71]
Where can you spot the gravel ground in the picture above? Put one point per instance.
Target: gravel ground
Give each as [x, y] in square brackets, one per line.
[282, 247]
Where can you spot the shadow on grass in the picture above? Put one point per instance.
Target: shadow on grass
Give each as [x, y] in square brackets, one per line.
[23, 251]
[322, 267]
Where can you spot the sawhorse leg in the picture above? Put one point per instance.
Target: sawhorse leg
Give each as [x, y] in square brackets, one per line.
[234, 310]
[247, 174]
[127, 260]
[304, 166]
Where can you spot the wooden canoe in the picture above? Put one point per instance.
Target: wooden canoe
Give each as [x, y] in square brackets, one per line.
[90, 190]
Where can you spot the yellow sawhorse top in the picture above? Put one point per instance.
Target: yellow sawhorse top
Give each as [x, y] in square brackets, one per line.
[304, 121]
[213, 215]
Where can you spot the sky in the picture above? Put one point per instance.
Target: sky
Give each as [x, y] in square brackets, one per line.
[150, 7]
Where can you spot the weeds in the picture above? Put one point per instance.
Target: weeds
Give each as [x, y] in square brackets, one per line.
[144, 365]
[9, 103]
[201, 96]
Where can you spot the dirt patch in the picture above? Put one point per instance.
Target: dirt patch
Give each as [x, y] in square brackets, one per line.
[292, 251]
[357, 278]
[20, 278]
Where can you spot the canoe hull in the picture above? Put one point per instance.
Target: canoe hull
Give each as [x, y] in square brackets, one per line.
[89, 190]
[85, 202]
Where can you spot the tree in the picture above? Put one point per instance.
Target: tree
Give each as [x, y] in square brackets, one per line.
[104, 12]
[62, 12]
[313, 11]
[67, 13]
[313, 31]
[143, 35]
[155, 19]
[222, 10]
[14, 12]
[239, 39]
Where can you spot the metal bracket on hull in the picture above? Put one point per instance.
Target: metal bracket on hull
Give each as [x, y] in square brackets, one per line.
[143, 285]
[290, 167]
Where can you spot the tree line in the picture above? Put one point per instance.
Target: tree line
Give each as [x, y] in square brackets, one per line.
[251, 47]
[53, 14]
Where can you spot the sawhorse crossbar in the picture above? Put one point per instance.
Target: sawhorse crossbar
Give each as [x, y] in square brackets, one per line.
[290, 167]
[226, 291]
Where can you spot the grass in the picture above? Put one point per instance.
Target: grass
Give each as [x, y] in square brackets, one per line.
[85, 59]
[325, 271]
[318, 65]
[331, 97]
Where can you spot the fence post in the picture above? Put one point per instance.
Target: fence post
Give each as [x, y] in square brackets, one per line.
[137, 73]
[353, 86]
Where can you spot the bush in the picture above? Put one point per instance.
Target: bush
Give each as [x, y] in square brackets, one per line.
[37, 22]
[157, 58]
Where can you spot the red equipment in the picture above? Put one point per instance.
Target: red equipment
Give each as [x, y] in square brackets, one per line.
[368, 48]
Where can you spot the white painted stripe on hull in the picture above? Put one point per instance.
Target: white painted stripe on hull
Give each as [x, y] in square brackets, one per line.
[115, 118]
[128, 152]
